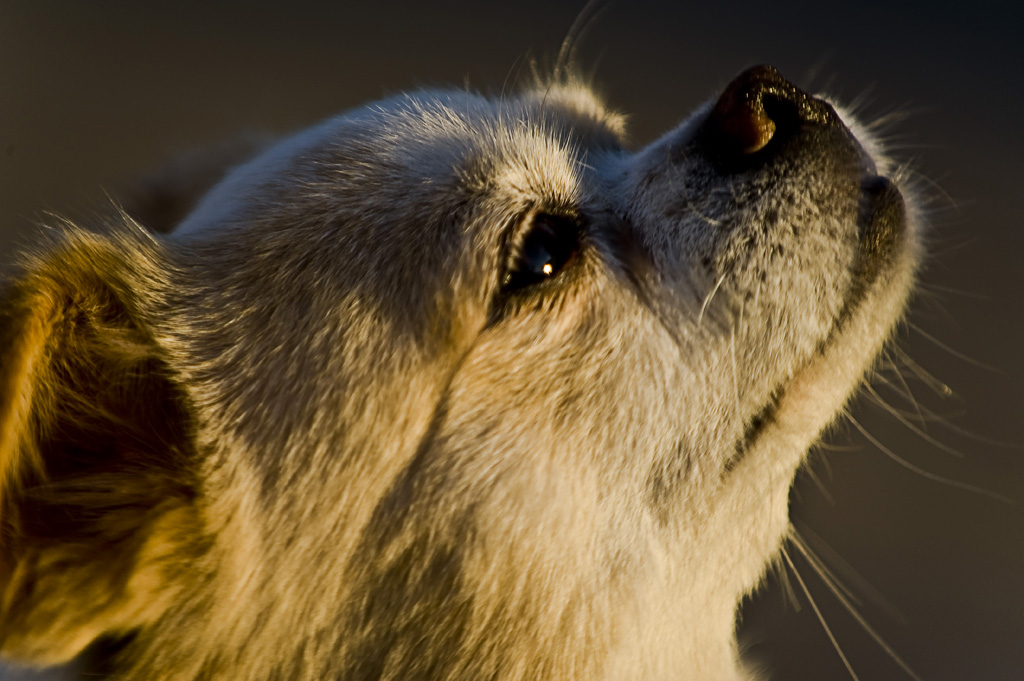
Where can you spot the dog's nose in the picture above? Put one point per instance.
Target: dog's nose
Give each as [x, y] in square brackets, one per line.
[760, 110]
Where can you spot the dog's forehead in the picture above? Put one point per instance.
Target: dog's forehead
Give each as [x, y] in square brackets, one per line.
[426, 150]
[533, 145]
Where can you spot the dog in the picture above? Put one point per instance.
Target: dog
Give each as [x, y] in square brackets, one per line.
[447, 387]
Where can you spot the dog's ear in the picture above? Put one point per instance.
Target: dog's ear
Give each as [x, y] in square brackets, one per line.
[98, 520]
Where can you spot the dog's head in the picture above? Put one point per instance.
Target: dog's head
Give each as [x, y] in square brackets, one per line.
[446, 387]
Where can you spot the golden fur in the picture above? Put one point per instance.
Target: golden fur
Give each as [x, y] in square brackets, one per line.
[444, 388]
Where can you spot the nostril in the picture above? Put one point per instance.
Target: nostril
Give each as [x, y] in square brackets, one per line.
[742, 123]
[785, 113]
[746, 116]
[757, 109]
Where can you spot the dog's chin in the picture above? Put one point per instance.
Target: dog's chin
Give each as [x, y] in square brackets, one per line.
[804, 403]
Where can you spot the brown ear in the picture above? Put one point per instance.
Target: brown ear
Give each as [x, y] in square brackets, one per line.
[97, 512]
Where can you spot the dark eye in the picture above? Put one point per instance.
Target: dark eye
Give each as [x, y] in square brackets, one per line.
[550, 244]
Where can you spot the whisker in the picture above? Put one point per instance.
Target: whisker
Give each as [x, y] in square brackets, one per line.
[954, 291]
[863, 99]
[914, 429]
[882, 122]
[932, 416]
[931, 381]
[850, 573]
[788, 592]
[951, 247]
[907, 392]
[932, 184]
[708, 297]
[818, 483]
[817, 612]
[955, 353]
[839, 589]
[514, 73]
[570, 46]
[737, 410]
[832, 447]
[813, 72]
[927, 474]
[845, 601]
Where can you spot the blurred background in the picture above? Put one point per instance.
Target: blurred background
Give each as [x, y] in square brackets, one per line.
[95, 96]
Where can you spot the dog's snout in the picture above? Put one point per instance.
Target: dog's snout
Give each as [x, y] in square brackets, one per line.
[757, 112]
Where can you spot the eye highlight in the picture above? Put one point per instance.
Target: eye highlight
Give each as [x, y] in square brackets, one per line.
[551, 242]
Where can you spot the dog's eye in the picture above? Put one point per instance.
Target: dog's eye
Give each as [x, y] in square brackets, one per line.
[550, 244]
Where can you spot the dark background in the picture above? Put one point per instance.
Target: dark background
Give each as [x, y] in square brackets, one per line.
[94, 95]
